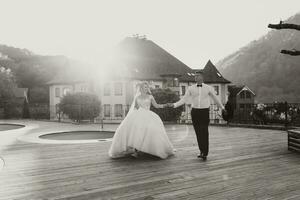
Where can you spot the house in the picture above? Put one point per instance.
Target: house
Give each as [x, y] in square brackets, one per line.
[67, 81]
[241, 97]
[135, 59]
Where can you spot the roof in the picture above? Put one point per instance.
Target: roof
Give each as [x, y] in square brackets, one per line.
[67, 78]
[143, 59]
[246, 88]
[211, 74]
[235, 90]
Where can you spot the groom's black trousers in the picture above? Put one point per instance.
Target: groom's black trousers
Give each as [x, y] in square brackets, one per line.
[200, 119]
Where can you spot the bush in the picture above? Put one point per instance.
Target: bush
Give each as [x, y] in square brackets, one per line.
[80, 106]
[39, 111]
[259, 114]
[39, 95]
[13, 109]
[163, 96]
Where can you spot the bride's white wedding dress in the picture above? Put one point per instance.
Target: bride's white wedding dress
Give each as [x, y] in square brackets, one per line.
[142, 130]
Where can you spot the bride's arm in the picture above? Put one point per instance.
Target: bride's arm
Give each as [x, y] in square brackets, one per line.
[156, 105]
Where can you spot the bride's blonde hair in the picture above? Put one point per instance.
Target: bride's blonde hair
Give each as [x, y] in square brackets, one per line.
[141, 84]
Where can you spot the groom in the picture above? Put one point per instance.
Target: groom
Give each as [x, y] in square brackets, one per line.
[199, 96]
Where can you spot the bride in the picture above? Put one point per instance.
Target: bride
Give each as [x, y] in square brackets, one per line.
[142, 130]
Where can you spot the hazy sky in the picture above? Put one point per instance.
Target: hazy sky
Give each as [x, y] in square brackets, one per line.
[193, 31]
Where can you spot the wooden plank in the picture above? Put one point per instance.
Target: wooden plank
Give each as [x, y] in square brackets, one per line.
[242, 164]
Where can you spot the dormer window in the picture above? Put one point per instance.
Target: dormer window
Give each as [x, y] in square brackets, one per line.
[118, 88]
[248, 95]
[242, 95]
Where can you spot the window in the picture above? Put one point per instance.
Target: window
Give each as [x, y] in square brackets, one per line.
[242, 95]
[216, 87]
[84, 88]
[248, 106]
[182, 90]
[118, 110]
[106, 110]
[66, 91]
[107, 89]
[171, 82]
[176, 82]
[118, 89]
[57, 92]
[156, 86]
[242, 106]
[248, 95]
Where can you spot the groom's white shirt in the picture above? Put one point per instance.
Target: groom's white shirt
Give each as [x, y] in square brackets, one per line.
[199, 97]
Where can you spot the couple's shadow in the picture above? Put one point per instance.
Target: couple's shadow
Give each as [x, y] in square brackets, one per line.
[142, 157]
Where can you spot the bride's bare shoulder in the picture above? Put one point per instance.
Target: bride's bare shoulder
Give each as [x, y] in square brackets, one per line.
[150, 96]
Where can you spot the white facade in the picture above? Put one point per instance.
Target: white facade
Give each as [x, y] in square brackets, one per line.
[56, 92]
[116, 97]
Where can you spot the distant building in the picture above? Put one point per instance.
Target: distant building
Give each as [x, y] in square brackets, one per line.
[136, 59]
[241, 97]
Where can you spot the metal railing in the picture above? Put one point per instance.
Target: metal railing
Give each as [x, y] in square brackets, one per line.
[282, 113]
[278, 113]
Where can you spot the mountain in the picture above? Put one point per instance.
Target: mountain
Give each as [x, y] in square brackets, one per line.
[30, 69]
[260, 65]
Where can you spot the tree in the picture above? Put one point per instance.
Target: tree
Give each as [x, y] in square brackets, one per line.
[282, 25]
[80, 106]
[163, 96]
[7, 84]
[26, 113]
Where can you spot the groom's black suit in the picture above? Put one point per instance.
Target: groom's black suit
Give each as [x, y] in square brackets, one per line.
[200, 119]
[199, 97]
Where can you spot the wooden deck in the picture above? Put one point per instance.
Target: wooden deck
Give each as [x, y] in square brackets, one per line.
[242, 164]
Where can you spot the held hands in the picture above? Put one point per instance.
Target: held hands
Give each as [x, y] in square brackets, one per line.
[169, 105]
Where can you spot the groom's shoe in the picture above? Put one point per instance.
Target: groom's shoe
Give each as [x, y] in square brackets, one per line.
[204, 158]
[200, 155]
